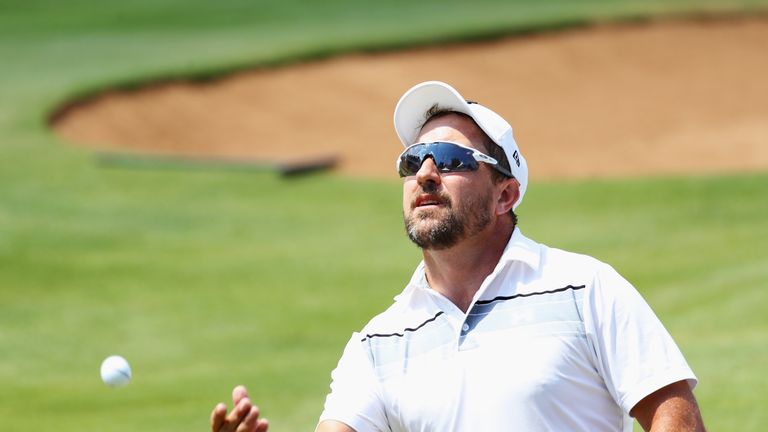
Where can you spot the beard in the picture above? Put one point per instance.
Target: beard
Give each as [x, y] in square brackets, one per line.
[444, 227]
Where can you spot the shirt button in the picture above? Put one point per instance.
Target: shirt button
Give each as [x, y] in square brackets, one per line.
[465, 327]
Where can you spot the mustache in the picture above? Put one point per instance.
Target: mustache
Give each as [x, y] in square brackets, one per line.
[440, 196]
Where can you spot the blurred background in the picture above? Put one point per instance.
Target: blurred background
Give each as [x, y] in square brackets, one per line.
[643, 121]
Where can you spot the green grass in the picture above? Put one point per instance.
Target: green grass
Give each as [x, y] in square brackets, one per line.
[208, 279]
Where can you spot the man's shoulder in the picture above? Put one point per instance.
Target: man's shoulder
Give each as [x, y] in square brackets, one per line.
[572, 260]
[560, 267]
[578, 269]
[546, 258]
[404, 315]
[391, 315]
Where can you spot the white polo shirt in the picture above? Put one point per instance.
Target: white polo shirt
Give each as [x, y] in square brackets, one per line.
[553, 341]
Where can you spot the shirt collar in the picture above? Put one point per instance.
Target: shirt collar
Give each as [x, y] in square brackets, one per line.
[519, 248]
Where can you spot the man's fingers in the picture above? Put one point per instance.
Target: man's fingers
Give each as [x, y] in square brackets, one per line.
[251, 422]
[217, 417]
[239, 412]
[244, 417]
[262, 425]
[239, 393]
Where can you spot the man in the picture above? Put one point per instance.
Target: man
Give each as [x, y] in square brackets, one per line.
[494, 331]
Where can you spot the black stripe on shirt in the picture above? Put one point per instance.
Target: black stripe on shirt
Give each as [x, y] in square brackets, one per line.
[503, 298]
[369, 336]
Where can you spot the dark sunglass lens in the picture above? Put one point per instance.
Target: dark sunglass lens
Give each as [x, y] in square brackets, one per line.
[445, 164]
[409, 164]
[448, 157]
[453, 158]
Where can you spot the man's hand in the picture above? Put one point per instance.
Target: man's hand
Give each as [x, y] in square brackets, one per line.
[243, 418]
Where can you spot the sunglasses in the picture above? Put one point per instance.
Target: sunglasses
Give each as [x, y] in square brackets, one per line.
[447, 156]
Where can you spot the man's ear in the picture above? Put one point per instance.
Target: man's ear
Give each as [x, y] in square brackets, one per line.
[510, 192]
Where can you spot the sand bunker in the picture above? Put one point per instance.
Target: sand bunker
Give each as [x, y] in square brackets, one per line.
[658, 98]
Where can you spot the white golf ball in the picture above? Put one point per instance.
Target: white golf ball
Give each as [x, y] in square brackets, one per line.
[115, 371]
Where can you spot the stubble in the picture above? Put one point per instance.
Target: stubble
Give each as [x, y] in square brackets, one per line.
[444, 227]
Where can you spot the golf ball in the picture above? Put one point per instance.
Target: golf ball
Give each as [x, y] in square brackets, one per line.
[115, 371]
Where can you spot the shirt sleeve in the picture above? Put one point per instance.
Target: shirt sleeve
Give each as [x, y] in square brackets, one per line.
[635, 354]
[355, 398]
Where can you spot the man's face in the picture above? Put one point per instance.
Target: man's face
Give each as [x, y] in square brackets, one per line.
[440, 210]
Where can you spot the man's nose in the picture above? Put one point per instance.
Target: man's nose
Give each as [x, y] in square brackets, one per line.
[428, 172]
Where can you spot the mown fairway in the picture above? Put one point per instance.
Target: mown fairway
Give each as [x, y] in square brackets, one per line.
[207, 279]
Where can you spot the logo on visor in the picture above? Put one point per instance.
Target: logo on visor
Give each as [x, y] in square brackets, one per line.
[516, 157]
